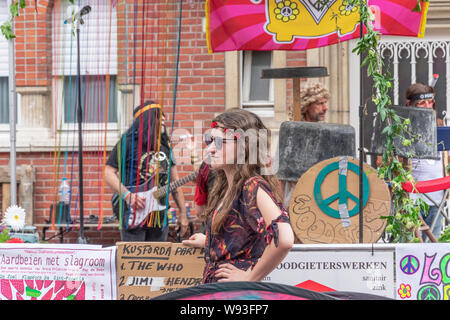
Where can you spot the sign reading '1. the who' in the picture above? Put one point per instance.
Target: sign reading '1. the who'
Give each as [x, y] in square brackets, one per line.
[149, 269]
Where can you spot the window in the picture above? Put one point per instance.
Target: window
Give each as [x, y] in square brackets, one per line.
[257, 93]
[98, 60]
[4, 68]
[410, 61]
[416, 61]
[4, 100]
[93, 93]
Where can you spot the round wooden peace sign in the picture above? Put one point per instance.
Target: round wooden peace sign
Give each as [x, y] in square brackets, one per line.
[324, 207]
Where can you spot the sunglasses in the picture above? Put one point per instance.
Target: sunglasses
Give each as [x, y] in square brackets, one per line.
[218, 141]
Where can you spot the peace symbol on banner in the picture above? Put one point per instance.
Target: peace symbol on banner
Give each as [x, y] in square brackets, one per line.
[324, 207]
[409, 264]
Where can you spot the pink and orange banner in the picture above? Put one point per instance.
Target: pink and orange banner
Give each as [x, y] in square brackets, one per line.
[303, 24]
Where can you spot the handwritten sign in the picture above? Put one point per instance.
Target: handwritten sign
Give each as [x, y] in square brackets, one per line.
[52, 272]
[324, 206]
[423, 271]
[148, 269]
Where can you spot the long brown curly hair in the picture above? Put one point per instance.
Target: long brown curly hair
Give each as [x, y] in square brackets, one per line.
[251, 131]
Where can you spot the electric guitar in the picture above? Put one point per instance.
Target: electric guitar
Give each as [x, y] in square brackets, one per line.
[153, 199]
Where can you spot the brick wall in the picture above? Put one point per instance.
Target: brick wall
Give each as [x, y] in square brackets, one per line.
[153, 50]
[201, 86]
[147, 39]
[33, 44]
[46, 188]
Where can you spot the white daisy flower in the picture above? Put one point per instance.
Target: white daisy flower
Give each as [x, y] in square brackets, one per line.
[15, 218]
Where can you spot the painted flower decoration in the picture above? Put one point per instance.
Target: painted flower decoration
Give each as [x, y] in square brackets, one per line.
[286, 11]
[345, 9]
[404, 291]
[15, 218]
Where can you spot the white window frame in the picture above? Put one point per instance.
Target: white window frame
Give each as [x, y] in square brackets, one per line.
[354, 76]
[58, 84]
[68, 126]
[4, 16]
[5, 126]
[263, 108]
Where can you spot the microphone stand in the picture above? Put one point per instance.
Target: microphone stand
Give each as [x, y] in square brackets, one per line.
[81, 238]
[361, 147]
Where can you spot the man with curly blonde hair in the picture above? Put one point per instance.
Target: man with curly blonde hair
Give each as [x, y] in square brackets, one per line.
[314, 98]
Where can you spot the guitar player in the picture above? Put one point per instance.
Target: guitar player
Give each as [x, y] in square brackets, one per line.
[143, 167]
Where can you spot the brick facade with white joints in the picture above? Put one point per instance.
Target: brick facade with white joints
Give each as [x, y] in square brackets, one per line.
[207, 85]
[200, 95]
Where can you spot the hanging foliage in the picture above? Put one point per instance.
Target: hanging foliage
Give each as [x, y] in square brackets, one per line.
[6, 27]
[404, 223]
[14, 8]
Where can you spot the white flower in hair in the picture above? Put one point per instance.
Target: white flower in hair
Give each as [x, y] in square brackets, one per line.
[15, 218]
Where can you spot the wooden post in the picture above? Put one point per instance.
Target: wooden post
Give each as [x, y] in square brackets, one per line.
[296, 74]
[297, 106]
[6, 196]
[25, 176]
[26, 193]
[426, 229]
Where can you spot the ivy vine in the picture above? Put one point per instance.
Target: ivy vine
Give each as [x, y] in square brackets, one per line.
[403, 224]
[14, 9]
[6, 27]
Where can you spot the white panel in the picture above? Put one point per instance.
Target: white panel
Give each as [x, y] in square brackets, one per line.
[4, 52]
[98, 39]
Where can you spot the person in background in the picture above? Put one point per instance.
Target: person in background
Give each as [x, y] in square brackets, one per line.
[314, 106]
[314, 102]
[203, 186]
[247, 228]
[422, 96]
[142, 163]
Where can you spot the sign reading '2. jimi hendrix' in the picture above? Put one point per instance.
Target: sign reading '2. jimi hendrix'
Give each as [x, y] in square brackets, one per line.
[303, 24]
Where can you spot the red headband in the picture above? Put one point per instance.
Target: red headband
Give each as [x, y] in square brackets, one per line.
[214, 124]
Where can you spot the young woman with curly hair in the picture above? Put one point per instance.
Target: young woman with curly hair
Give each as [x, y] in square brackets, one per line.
[247, 229]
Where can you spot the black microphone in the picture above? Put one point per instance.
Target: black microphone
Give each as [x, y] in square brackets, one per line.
[84, 11]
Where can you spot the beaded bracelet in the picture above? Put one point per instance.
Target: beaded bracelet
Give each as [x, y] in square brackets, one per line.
[125, 195]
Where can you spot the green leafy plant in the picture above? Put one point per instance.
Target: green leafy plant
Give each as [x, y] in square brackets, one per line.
[4, 236]
[6, 27]
[445, 236]
[14, 9]
[418, 7]
[404, 223]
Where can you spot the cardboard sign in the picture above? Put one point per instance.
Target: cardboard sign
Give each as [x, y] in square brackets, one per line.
[149, 269]
[324, 206]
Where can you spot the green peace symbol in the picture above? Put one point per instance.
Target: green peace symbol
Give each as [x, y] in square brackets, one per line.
[343, 194]
[428, 292]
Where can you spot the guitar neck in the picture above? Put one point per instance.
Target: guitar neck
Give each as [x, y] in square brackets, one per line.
[162, 191]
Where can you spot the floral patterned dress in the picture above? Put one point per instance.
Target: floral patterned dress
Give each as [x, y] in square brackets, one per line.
[244, 236]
